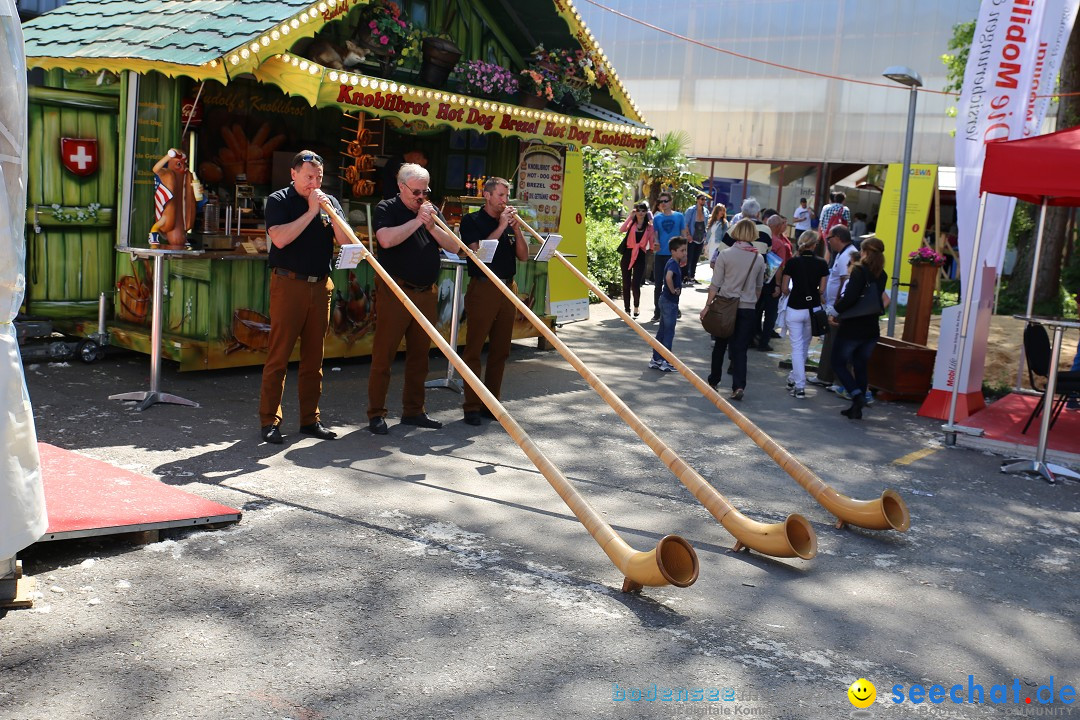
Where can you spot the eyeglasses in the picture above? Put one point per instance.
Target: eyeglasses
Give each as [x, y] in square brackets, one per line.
[665, 200]
[417, 193]
[311, 158]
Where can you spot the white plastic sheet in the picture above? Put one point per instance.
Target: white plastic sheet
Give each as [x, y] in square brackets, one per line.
[22, 498]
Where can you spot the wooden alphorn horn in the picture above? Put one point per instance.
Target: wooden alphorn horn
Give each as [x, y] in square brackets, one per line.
[673, 561]
[889, 512]
[792, 538]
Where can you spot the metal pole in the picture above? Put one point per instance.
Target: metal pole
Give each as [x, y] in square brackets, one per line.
[155, 325]
[1031, 287]
[966, 291]
[123, 221]
[901, 221]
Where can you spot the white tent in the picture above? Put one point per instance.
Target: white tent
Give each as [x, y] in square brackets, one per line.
[22, 498]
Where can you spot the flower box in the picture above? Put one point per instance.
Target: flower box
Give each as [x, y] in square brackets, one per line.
[901, 370]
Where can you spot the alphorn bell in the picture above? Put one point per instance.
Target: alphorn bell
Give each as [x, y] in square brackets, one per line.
[792, 538]
[673, 561]
[885, 513]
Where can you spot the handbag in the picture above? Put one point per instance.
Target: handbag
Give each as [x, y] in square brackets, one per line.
[819, 322]
[869, 303]
[719, 318]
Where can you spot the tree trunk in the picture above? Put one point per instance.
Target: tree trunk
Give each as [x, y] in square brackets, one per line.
[1048, 285]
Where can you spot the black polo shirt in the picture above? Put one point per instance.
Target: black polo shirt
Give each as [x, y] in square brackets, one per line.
[312, 252]
[479, 226]
[416, 260]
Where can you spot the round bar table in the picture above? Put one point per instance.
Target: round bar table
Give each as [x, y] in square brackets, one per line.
[154, 395]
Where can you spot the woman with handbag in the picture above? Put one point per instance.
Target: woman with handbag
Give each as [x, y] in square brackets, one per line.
[638, 240]
[859, 306]
[807, 274]
[738, 276]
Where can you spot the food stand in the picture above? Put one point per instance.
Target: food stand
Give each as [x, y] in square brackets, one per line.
[236, 87]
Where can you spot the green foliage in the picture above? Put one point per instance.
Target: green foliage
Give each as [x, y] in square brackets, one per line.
[995, 390]
[605, 190]
[602, 238]
[956, 62]
[664, 165]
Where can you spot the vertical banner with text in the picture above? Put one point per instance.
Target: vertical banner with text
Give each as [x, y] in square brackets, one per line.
[1015, 54]
[921, 183]
[569, 296]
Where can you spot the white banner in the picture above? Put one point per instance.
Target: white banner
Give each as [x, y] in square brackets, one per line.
[22, 498]
[1058, 19]
[1015, 54]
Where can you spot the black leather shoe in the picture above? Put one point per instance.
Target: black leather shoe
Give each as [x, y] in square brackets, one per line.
[473, 418]
[317, 429]
[488, 414]
[271, 434]
[421, 420]
[377, 425]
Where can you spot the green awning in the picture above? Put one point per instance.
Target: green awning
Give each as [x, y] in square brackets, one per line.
[221, 39]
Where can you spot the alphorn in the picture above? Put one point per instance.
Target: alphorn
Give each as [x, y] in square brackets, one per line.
[673, 561]
[885, 513]
[792, 538]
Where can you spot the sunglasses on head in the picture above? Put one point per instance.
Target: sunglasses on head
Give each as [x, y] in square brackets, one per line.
[311, 158]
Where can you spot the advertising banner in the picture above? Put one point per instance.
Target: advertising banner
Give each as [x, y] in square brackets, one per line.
[921, 182]
[569, 297]
[542, 184]
[1015, 55]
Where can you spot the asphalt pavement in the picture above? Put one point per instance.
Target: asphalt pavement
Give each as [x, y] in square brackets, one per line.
[437, 574]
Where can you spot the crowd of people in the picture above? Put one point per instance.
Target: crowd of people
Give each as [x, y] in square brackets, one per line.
[836, 289]
[751, 259]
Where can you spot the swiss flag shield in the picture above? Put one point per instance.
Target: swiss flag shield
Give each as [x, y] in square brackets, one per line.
[79, 155]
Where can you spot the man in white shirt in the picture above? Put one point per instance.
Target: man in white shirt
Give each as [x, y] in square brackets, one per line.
[803, 217]
[842, 250]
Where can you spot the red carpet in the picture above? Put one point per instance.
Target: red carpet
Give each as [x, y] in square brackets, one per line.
[86, 497]
[1002, 422]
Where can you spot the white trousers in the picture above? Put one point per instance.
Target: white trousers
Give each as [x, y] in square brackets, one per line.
[797, 322]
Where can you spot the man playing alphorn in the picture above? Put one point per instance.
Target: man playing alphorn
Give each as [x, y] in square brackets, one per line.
[409, 243]
[490, 312]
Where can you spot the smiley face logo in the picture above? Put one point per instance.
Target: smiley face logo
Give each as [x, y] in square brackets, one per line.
[862, 693]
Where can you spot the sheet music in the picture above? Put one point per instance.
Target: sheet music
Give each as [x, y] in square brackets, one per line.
[547, 250]
[350, 256]
[487, 249]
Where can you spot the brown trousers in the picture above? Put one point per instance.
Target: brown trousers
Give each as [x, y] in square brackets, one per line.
[393, 322]
[298, 310]
[490, 314]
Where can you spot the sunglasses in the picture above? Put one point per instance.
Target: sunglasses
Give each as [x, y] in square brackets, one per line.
[665, 200]
[417, 193]
[311, 158]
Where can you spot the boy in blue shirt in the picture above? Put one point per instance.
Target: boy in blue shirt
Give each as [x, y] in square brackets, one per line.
[667, 224]
[669, 302]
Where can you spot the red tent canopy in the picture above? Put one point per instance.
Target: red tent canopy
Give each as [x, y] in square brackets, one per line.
[1046, 166]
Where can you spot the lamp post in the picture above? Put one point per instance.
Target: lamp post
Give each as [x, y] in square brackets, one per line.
[912, 79]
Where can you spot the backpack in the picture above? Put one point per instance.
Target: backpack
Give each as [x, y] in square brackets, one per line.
[834, 220]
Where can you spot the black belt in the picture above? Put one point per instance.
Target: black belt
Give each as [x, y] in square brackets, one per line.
[297, 276]
[414, 288]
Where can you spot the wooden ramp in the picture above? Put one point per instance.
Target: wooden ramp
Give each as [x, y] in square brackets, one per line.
[88, 498]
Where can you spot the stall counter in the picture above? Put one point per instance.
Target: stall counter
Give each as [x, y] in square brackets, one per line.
[216, 304]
